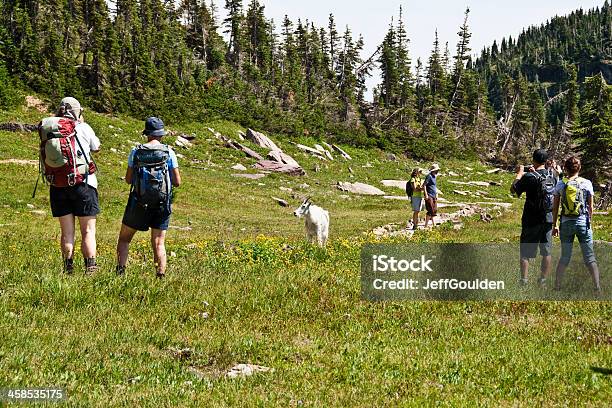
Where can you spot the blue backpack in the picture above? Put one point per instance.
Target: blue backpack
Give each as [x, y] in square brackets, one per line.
[151, 185]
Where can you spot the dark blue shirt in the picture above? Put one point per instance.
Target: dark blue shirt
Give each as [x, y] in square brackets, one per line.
[431, 185]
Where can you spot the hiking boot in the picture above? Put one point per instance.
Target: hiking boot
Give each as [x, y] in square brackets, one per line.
[90, 266]
[120, 270]
[523, 282]
[68, 266]
[160, 275]
[542, 283]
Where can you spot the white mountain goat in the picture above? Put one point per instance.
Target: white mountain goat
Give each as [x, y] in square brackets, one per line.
[316, 222]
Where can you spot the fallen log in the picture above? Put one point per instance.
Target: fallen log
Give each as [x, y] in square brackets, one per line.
[18, 127]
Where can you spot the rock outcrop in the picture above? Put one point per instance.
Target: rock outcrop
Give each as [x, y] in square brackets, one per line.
[359, 188]
[260, 139]
[274, 166]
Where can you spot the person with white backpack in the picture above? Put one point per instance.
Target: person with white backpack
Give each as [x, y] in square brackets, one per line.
[66, 143]
[573, 201]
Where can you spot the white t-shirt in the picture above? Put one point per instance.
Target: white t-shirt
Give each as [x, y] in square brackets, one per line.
[89, 141]
[586, 186]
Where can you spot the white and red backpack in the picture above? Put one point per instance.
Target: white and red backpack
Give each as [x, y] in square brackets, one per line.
[62, 158]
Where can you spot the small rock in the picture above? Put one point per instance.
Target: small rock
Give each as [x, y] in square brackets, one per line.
[245, 370]
[112, 149]
[286, 189]
[280, 201]
[256, 176]
[303, 186]
[136, 379]
[493, 171]
[29, 205]
[38, 212]
[173, 254]
[391, 157]
[239, 167]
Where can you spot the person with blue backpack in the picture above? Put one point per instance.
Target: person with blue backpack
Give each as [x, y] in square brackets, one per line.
[152, 172]
[538, 183]
[574, 202]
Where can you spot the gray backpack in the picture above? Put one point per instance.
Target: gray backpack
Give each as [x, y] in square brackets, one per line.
[151, 185]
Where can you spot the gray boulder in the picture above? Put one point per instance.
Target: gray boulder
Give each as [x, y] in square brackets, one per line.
[261, 140]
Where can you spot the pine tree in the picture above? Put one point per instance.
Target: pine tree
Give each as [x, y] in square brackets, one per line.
[459, 90]
[233, 22]
[388, 67]
[334, 42]
[594, 129]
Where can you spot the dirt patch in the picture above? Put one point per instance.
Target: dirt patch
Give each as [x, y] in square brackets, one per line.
[35, 103]
[20, 162]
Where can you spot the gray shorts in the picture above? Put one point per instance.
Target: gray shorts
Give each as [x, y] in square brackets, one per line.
[417, 203]
[535, 236]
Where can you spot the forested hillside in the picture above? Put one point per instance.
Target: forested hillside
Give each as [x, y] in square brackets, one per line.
[293, 78]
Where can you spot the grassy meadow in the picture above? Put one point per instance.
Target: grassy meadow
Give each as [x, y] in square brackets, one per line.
[243, 286]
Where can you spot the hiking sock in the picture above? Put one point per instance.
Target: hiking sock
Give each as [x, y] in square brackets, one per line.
[68, 265]
[90, 265]
[120, 270]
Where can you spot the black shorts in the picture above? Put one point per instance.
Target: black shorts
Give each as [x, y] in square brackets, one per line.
[532, 237]
[141, 218]
[80, 200]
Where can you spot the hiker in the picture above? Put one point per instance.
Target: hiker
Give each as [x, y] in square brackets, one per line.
[536, 221]
[414, 190]
[575, 199]
[66, 143]
[152, 171]
[552, 164]
[431, 194]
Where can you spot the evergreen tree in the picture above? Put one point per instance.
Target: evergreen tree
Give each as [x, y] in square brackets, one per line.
[594, 129]
[233, 22]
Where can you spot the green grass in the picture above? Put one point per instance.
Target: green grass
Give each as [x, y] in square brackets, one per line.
[271, 298]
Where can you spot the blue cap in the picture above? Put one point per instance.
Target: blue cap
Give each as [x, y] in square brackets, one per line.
[154, 127]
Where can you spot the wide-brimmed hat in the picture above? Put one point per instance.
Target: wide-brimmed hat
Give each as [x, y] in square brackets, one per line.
[434, 167]
[154, 127]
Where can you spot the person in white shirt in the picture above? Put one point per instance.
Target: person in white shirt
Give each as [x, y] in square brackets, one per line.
[79, 200]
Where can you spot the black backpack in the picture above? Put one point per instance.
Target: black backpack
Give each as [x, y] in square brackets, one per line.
[545, 190]
[151, 185]
[409, 190]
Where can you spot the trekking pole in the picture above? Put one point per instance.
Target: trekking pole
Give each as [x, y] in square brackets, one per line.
[35, 186]
[37, 179]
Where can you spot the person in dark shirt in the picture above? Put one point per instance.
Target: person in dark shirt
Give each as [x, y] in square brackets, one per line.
[431, 194]
[536, 221]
